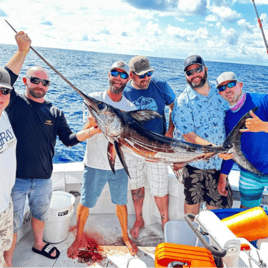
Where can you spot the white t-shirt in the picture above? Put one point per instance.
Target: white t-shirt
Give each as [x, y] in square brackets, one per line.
[8, 161]
[96, 150]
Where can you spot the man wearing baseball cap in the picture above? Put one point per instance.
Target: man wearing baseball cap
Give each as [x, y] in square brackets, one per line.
[254, 141]
[151, 94]
[198, 117]
[8, 165]
[97, 171]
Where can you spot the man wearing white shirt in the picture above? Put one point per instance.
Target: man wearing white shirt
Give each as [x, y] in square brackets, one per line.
[8, 163]
[97, 171]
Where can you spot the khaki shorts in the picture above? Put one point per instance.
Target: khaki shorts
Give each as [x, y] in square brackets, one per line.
[6, 231]
[156, 173]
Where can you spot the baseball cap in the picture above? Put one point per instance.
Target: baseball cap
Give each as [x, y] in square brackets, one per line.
[226, 76]
[193, 59]
[4, 78]
[140, 65]
[122, 65]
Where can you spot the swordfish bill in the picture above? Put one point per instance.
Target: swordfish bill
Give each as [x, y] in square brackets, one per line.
[126, 134]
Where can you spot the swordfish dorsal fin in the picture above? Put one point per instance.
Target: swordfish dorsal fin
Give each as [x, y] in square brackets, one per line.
[121, 156]
[111, 153]
[144, 116]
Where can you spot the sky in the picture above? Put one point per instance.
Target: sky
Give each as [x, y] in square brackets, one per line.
[218, 30]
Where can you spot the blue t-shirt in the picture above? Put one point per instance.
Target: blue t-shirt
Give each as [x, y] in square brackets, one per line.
[155, 98]
[253, 145]
[203, 115]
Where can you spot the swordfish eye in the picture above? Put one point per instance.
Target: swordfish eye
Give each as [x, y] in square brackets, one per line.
[102, 106]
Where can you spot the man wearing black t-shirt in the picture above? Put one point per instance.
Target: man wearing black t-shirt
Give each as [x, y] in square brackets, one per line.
[36, 123]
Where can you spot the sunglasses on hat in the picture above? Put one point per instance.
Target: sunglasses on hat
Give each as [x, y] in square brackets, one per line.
[229, 85]
[5, 91]
[36, 81]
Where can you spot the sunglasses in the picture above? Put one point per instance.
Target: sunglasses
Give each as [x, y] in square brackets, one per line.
[143, 75]
[36, 80]
[196, 70]
[5, 91]
[115, 73]
[229, 85]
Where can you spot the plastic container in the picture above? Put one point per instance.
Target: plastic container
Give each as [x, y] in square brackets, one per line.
[185, 256]
[179, 232]
[60, 213]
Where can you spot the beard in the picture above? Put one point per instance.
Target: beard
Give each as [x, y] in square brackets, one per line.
[116, 90]
[37, 94]
[201, 83]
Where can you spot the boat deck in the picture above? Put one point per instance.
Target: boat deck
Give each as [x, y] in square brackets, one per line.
[109, 239]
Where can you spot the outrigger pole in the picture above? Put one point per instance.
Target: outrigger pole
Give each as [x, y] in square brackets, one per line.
[260, 24]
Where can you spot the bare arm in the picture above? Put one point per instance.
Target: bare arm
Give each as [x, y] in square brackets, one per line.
[90, 129]
[16, 62]
[171, 127]
[222, 184]
[193, 138]
[87, 133]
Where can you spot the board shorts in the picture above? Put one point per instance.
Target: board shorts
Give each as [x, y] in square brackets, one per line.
[94, 180]
[156, 174]
[251, 187]
[6, 231]
[39, 192]
[201, 185]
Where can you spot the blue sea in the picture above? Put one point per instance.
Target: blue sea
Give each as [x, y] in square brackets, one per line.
[88, 71]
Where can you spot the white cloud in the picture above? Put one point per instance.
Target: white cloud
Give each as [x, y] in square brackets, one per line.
[231, 35]
[226, 14]
[193, 7]
[211, 18]
[153, 28]
[188, 35]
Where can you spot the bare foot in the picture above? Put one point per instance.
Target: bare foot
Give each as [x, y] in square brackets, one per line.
[132, 247]
[72, 251]
[135, 230]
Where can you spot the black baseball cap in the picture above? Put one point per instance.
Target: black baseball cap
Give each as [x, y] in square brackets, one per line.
[193, 59]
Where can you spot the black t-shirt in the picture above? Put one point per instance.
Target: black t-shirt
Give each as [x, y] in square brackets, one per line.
[36, 126]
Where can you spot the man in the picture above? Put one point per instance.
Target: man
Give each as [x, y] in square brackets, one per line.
[198, 117]
[149, 93]
[97, 170]
[36, 124]
[8, 143]
[254, 142]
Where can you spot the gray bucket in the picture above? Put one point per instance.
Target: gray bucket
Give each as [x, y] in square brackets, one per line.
[60, 212]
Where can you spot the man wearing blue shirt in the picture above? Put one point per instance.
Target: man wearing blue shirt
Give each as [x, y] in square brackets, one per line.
[198, 117]
[254, 145]
[151, 94]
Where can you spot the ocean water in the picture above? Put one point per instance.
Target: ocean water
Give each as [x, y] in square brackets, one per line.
[88, 71]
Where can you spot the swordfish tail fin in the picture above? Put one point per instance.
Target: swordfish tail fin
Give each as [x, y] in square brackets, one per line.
[233, 142]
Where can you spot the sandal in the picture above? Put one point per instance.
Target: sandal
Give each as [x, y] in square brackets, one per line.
[47, 250]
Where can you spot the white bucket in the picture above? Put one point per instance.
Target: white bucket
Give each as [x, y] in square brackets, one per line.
[60, 213]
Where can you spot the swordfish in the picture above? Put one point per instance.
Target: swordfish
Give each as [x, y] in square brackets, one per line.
[125, 133]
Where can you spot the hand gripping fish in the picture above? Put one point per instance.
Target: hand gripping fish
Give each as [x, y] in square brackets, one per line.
[125, 133]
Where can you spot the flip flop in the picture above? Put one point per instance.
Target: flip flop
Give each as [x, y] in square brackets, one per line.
[46, 251]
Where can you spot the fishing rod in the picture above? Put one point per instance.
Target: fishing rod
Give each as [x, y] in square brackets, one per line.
[260, 24]
[54, 69]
